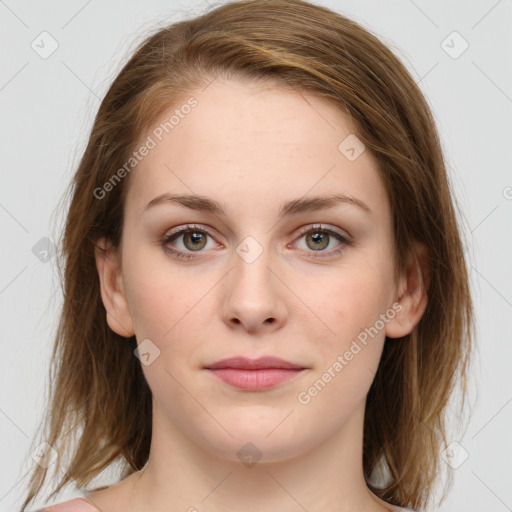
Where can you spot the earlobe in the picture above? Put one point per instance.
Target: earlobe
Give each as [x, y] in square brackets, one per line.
[412, 294]
[112, 290]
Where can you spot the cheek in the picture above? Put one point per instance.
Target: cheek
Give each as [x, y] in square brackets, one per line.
[348, 355]
[351, 302]
[164, 311]
[158, 298]
[171, 311]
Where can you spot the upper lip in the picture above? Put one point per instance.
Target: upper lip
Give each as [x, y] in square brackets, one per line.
[254, 364]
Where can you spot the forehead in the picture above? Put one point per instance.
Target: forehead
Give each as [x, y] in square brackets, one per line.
[253, 145]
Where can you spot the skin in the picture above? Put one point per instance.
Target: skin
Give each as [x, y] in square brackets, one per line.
[252, 147]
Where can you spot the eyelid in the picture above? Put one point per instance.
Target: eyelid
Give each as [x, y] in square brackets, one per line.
[180, 230]
[343, 237]
[302, 231]
[186, 227]
[325, 227]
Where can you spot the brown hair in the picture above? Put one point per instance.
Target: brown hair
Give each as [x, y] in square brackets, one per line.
[97, 385]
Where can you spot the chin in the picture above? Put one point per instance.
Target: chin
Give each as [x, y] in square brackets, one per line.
[262, 442]
[249, 451]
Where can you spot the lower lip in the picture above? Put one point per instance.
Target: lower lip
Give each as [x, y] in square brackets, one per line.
[255, 380]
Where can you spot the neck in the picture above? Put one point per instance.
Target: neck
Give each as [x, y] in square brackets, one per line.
[181, 475]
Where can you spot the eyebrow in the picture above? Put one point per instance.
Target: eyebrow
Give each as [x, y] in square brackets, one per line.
[288, 208]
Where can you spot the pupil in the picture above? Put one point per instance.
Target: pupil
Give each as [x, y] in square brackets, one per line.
[195, 238]
[318, 237]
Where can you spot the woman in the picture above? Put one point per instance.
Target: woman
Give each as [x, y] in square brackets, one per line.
[266, 301]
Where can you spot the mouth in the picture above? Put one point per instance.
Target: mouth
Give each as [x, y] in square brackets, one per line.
[255, 374]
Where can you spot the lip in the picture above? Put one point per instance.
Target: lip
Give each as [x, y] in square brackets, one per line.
[261, 363]
[255, 374]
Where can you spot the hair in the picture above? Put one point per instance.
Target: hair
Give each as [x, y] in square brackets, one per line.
[100, 405]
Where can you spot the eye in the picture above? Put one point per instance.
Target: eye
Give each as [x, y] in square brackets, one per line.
[317, 238]
[194, 239]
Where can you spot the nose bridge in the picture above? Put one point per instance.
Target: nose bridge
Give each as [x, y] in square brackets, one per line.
[253, 292]
[252, 261]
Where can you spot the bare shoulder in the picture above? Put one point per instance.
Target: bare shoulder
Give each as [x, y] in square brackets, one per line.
[115, 498]
[396, 508]
[74, 505]
[391, 508]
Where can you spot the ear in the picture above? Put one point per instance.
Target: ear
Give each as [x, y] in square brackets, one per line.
[412, 293]
[112, 289]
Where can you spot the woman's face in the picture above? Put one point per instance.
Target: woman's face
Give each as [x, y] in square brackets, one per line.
[246, 280]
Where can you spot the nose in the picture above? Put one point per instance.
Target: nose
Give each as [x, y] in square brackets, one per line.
[253, 293]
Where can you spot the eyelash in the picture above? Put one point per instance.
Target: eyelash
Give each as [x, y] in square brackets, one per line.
[317, 228]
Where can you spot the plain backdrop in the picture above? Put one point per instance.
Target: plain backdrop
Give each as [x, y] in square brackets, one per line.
[460, 53]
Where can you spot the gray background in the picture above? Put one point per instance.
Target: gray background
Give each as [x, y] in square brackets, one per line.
[48, 106]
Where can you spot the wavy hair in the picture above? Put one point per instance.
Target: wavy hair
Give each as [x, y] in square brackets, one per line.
[100, 409]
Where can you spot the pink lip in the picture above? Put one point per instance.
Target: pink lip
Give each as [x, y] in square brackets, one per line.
[255, 374]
